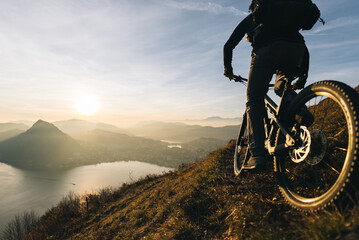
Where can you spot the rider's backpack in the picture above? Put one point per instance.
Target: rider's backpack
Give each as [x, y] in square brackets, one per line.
[286, 14]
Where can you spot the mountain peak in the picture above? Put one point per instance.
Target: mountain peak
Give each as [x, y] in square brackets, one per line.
[41, 125]
[42, 122]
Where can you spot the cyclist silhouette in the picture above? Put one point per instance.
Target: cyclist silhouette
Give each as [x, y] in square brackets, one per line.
[275, 51]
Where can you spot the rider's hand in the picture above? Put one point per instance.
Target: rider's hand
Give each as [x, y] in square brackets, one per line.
[230, 76]
[299, 85]
[228, 72]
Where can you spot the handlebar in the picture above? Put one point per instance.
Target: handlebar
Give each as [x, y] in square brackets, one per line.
[239, 79]
[244, 80]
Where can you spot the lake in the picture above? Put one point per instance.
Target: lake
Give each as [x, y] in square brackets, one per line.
[24, 190]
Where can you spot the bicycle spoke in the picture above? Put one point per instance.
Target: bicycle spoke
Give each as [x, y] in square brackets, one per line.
[342, 149]
[331, 167]
[336, 135]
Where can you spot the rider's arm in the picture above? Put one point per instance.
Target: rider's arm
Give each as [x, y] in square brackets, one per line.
[232, 42]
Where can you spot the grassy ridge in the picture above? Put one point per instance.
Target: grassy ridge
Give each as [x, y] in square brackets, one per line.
[199, 201]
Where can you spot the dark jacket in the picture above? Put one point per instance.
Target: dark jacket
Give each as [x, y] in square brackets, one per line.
[259, 36]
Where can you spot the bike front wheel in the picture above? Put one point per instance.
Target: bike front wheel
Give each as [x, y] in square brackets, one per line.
[241, 152]
[323, 169]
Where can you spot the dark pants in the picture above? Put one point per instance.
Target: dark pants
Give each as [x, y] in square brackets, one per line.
[281, 57]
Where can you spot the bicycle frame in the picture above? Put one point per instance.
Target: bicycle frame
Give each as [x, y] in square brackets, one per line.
[274, 110]
[272, 123]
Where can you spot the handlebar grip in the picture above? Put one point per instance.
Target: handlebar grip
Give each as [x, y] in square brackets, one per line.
[239, 79]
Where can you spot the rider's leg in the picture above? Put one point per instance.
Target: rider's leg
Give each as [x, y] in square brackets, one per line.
[305, 116]
[265, 62]
[260, 74]
[282, 81]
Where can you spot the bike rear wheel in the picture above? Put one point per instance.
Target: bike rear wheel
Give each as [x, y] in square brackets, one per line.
[323, 170]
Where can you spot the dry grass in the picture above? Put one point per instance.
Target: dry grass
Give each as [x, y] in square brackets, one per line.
[199, 201]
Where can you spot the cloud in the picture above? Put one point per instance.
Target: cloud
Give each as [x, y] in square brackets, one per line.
[335, 45]
[140, 57]
[208, 6]
[341, 73]
[337, 23]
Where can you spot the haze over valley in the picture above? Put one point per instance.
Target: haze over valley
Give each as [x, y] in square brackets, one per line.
[71, 143]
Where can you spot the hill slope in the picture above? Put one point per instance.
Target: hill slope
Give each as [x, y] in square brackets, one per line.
[200, 201]
[43, 145]
[9, 134]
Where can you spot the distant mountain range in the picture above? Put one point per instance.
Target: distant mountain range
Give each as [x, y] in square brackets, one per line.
[4, 127]
[215, 121]
[217, 118]
[182, 132]
[176, 131]
[76, 126]
[45, 146]
[72, 127]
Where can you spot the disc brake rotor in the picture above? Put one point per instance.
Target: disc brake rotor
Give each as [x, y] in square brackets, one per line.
[318, 147]
[313, 148]
[300, 154]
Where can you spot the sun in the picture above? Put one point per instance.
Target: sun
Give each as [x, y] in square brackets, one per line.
[87, 105]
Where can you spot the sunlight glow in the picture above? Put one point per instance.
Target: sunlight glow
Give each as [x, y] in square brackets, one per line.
[87, 105]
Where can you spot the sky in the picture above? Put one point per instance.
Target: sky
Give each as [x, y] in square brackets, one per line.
[142, 60]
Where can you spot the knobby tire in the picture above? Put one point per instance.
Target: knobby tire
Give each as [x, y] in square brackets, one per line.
[329, 175]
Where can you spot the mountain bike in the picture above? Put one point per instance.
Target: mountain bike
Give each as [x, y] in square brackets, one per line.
[314, 142]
